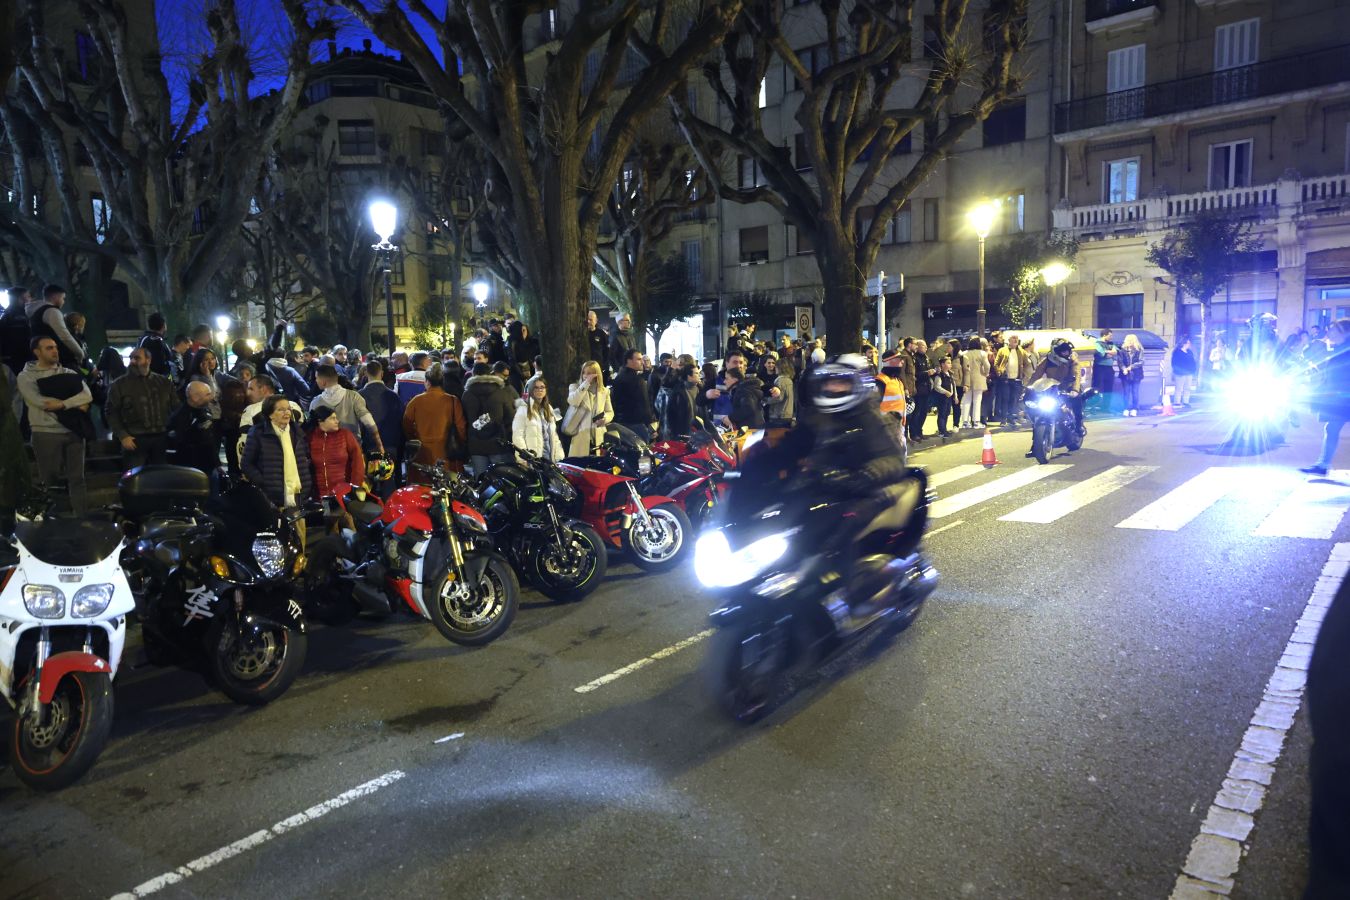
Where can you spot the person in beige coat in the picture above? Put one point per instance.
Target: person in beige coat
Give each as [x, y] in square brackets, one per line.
[588, 411]
[974, 371]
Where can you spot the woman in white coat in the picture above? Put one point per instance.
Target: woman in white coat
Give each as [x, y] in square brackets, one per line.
[975, 380]
[588, 411]
[533, 428]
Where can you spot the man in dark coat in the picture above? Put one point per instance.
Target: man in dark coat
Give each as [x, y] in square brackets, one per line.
[153, 343]
[597, 342]
[387, 407]
[193, 434]
[620, 342]
[494, 345]
[747, 399]
[1331, 396]
[628, 394]
[489, 409]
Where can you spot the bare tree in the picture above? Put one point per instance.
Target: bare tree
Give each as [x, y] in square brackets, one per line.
[859, 107]
[556, 110]
[176, 178]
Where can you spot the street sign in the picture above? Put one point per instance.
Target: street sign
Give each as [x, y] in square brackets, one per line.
[805, 317]
[876, 285]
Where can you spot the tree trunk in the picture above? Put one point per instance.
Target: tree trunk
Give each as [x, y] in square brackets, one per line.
[1203, 359]
[843, 306]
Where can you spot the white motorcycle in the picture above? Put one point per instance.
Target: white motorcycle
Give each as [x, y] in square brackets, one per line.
[63, 621]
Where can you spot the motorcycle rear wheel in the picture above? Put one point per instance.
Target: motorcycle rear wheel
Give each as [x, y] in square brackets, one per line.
[1073, 438]
[745, 693]
[665, 545]
[575, 586]
[1040, 443]
[478, 619]
[79, 720]
[254, 669]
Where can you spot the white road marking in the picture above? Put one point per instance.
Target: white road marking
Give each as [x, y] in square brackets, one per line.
[1312, 510]
[1179, 506]
[955, 473]
[449, 737]
[642, 663]
[245, 844]
[1060, 504]
[1212, 865]
[999, 486]
[944, 527]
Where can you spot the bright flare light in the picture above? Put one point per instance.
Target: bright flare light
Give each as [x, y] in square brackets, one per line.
[718, 567]
[982, 217]
[383, 219]
[1258, 394]
[480, 292]
[222, 323]
[1054, 274]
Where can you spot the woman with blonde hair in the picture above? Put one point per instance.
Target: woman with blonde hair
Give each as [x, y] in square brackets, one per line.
[1130, 366]
[532, 429]
[588, 411]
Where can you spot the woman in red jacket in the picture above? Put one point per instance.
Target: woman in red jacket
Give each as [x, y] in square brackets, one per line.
[334, 452]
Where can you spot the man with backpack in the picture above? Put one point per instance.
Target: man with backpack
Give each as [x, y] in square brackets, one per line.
[45, 319]
[162, 358]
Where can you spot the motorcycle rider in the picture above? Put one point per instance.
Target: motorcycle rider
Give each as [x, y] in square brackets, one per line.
[1061, 366]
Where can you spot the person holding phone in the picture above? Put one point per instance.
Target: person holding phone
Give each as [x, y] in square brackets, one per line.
[589, 410]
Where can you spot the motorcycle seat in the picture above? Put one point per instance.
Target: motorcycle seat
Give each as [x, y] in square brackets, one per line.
[364, 511]
[511, 473]
[158, 529]
[63, 542]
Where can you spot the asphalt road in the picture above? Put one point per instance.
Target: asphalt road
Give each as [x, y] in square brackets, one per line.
[1056, 724]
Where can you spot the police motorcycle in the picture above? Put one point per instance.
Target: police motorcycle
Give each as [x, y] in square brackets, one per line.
[63, 623]
[802, 566]
[215, 579]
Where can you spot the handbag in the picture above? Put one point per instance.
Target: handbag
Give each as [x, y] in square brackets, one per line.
[571, 425]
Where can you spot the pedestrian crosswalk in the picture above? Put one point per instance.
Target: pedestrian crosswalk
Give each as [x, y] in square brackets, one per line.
[1294, 507]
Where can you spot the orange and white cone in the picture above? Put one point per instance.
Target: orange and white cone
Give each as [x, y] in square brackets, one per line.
[987, 457]
[1167, 409]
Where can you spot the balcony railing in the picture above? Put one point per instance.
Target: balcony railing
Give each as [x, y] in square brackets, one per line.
[1265, 79]
[1105, 9]
[1326, 195]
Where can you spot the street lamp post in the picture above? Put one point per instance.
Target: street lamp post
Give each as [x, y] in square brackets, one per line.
[384, 220]
[223, 335]
[981, 219]
[1054, 275]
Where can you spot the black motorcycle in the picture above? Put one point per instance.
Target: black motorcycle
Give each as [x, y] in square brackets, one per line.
[214, 580]
[1056, 421]
[802, 571]
[561, 556]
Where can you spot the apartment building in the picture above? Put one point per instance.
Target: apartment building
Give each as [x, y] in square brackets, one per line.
[1170, 107]
[1008, 159]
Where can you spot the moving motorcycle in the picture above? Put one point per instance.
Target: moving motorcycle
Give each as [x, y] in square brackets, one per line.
[215, 580]
[429, 548]
[63, 621]
[1054, 420]
[802, 572]
[561, 556]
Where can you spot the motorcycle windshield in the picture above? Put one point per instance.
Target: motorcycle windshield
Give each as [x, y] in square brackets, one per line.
[66, 542]
[625, 437]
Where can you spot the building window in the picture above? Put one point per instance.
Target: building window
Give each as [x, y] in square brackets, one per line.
[354, 87]
[799, 244]
[400, 310]
[755, 244]
[930, 132]
[1235, 45]
[101, 216]
[693, 265]
[433, 143]
[814, 60]
[802, 160]
[1120, 311]
[1125, 83]
[749, 173]
[763, 92]
[932, 45]
[1006, 125]
[1230, 165]
[397, 275]
[901, 227]
[1121, 184]
[930, 219]
[356, 137]
[85, 56]
[1014, 211]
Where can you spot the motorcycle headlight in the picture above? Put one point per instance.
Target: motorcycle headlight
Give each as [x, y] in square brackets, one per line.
[1258, 393]
[561, 489]
[717, 566]
[43, 601]
[91, 600]
[472, 523]
[645, 464]
[269, 555]
[1047, 404]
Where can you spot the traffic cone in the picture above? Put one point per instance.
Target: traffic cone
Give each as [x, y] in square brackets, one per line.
[987, 457]
[1167, 409]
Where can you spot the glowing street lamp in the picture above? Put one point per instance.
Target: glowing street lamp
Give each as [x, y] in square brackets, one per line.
[223, 338]
[480, 293]
[384, 221]
[982, 218]
[1055, 274]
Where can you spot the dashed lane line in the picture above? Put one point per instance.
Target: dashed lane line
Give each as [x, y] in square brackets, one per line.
[244, 844]
[1211, 867]
[642, 663]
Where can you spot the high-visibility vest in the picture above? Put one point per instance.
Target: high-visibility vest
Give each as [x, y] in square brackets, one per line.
[893, 397]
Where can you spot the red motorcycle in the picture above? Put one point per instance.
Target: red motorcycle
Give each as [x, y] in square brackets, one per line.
[687, 471]
[651, 527]
[429, 547]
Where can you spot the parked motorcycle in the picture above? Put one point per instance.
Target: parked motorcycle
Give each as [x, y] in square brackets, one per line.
[1054, 422]
[798, 580]
[63, 620]
[215, 580]
[524, 504]
[689, 472]
[429, 549]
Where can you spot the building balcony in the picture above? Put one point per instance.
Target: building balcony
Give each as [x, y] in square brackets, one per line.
[1110, 15]
[1286, 75]
[1288, 199]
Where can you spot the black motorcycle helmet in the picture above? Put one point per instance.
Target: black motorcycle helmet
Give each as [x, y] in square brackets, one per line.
[1063, 348]
[842, 384]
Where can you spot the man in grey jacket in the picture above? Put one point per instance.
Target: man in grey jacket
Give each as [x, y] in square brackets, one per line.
[58, 450]
[138, 408]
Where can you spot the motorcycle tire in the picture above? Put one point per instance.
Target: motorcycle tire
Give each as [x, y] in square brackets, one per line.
[745, 696]
[1073, 439]
[253, 669]
[567, 590]
[659, 554]
[491, 615]
[79, 720]
[1040, 443]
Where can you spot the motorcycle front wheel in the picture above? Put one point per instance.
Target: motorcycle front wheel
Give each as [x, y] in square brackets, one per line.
[745, 673]
[660, 546]
[478, 614]
[254, 665]
[1073, 437]
[570, 573]
[58, 752]
[1040, 442]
